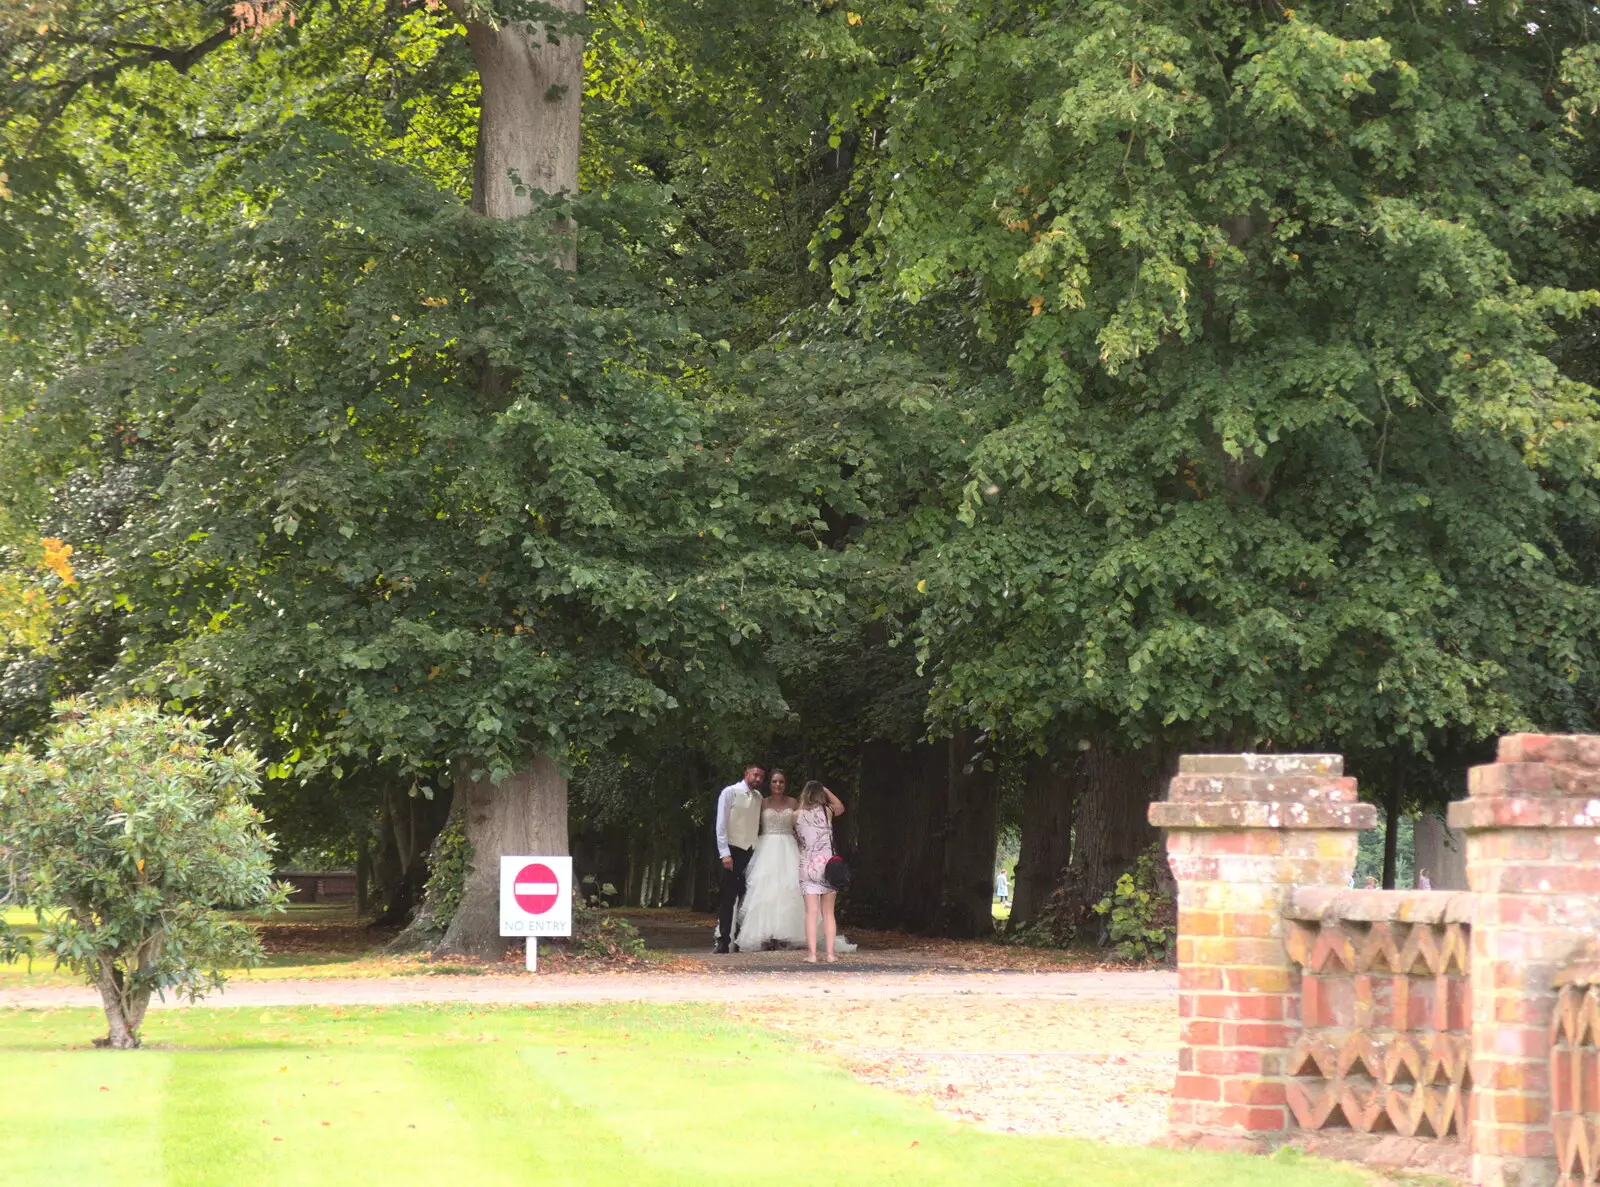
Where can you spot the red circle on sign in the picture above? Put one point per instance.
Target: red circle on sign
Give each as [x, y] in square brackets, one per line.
[535, 888]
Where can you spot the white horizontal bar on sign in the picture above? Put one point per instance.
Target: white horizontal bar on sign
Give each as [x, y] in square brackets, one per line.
[538, 887]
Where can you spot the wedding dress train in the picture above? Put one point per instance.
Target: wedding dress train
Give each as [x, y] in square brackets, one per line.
[773, 912]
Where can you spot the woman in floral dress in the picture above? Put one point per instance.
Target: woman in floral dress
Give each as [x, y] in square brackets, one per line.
[813, 829]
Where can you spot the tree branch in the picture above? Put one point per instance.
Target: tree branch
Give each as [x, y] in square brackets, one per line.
[180, 60]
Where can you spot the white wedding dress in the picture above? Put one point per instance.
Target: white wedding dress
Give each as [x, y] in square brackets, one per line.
[773, 911]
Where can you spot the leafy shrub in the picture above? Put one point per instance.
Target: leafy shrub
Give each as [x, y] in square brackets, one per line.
[128, 835]
[1139, 911]
[1043, 932]
[596, 932]
[1061, 917]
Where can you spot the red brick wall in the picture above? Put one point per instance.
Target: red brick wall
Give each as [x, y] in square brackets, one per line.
[1532, 821]
[1243, 831]
[1385, 1010]
[1292, 988]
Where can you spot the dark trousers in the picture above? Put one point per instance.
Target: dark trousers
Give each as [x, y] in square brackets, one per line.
[732, 890]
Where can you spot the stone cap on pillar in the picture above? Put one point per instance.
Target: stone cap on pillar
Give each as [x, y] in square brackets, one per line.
[1536, 781]
[1236, 791]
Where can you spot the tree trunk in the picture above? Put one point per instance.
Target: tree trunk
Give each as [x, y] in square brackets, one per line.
[972, 821]
[702, 841]
[386, 868]
[710, 867]
[120, 1036]
[525, 813]
[687, 872]
[407, 825]
[688, 844]
[1111, 821]
[531, 81]
[1440, 851]
[1391, 833]
[899, 835]
[124, 1009]
[629, 896]
[1046, 835]
[613, 865]
[402, 820]
[363, 877]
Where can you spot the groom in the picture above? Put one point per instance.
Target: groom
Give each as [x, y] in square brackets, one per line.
[738, 823]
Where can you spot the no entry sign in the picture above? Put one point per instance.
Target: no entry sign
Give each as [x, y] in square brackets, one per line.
[535, 896]
[535, 888]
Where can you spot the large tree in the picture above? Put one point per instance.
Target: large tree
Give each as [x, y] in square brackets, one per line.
[1284, 323]
[414, 493]
[530, 78]
[1167, 374]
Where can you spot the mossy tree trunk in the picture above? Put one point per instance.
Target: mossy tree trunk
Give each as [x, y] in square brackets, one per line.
[524, 813]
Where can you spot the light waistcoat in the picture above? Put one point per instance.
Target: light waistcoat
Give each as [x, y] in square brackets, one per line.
[744, 819]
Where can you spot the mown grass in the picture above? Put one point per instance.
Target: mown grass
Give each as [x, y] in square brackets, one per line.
[527, 1095]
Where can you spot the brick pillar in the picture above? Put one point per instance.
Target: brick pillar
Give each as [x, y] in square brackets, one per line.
[1243, 830]
[1532, 821]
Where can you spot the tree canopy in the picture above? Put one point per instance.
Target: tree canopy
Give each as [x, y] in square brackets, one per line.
[1285, 453]
[1030, 379]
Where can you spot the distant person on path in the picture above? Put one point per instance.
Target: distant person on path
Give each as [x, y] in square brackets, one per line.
[1002, 889]
[813, 829]
[738, 825]
[1423, 881]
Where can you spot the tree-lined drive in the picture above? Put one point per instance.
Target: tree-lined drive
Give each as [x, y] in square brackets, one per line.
[973, 404]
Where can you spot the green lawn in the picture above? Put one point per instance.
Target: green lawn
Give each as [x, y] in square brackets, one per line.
[550, 1095]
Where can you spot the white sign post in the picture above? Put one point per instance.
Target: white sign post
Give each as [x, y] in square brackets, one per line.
[535, 900]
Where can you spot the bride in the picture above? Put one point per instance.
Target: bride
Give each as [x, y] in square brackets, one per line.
[773, 913]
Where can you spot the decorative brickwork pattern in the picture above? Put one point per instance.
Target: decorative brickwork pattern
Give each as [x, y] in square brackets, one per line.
[1393, 1023]
[1384, 1045]
[1532, 822]
[1575, 1072]
[1243, 831]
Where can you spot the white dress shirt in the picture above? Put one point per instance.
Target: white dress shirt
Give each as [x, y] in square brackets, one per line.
[724, 806]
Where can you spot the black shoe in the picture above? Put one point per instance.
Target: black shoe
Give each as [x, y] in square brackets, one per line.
[722, 948]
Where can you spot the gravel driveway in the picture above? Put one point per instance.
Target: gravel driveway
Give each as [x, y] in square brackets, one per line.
[841, 982]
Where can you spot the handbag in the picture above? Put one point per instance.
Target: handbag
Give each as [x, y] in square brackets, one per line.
[836, 872]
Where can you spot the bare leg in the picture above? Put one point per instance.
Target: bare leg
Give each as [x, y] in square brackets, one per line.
[830, 927]
[811, 926]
